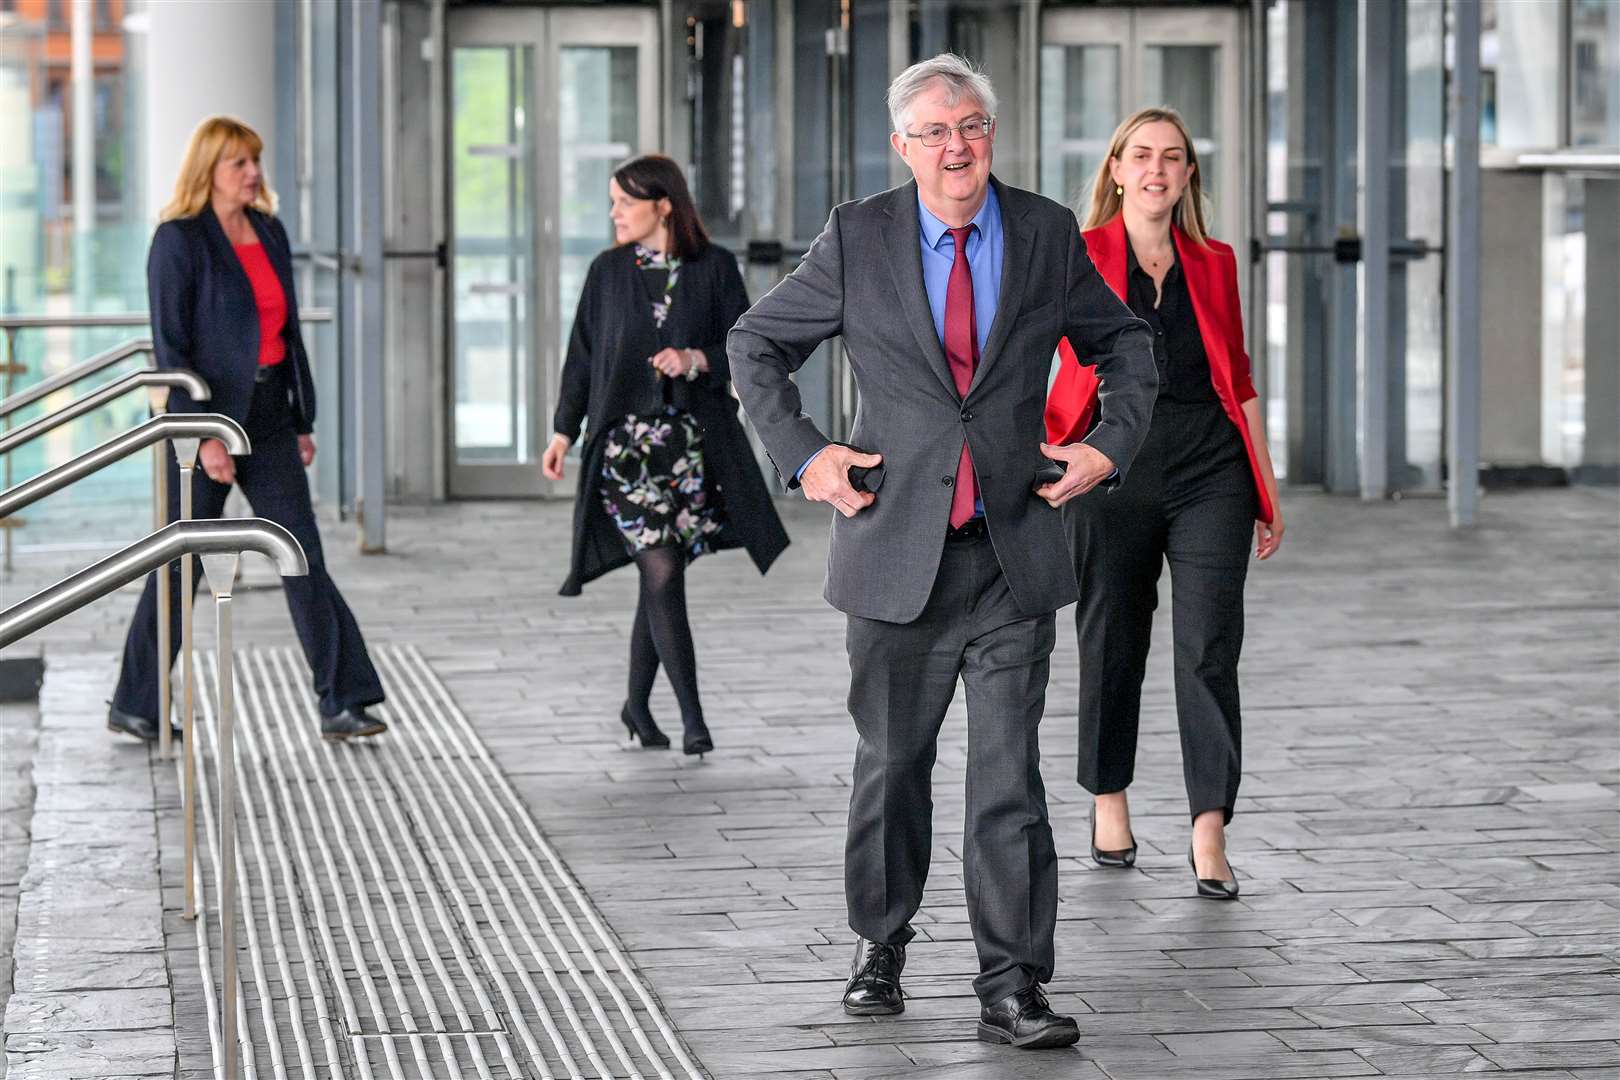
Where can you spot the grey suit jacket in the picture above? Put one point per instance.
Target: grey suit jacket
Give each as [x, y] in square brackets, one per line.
[862, 278]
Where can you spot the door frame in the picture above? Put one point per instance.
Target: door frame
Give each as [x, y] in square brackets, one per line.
[1133, 29]
[546, 31]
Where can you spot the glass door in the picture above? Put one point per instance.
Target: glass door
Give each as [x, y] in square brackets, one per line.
[1100, 64]
[543, 103]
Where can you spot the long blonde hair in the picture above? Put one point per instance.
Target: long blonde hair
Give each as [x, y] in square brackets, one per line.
[1106, 201]
[214, 138]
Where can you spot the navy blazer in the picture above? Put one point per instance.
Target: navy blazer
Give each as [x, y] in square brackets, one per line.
[204, 317]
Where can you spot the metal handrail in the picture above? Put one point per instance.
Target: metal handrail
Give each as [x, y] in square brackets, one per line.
[168, 426]
[146, 555]
[82, 370]
[188, 381]
[118, 318]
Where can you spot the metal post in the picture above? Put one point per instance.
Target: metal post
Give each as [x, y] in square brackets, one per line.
[1462, 273]
[160, 518]
[1376, 29]
[185, 453]
[221, 573]
[371, 403]
[12, 370]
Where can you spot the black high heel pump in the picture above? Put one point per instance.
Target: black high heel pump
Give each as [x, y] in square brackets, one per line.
[696, 739]
[1123, 859]
[1214, 888]
[641, 726]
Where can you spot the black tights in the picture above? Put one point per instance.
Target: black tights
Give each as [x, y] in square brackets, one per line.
[662, 634]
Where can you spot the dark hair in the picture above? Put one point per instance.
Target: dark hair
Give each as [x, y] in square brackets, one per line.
[654, 176]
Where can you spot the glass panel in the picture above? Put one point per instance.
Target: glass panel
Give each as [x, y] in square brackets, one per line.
[1594, 108]
[1418, 205]
[494, 241]
[60, 259]
[1187, 78]
[597, 118]
[1519, 77]
[988, 32]
[1079, 111]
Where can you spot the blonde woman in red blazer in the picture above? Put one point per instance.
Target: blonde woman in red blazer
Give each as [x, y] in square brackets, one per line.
[1201, 486]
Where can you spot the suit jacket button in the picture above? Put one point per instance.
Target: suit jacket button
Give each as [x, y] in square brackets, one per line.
[947, 480]
[967, 414]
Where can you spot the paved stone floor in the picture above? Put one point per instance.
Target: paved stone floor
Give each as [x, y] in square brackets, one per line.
[1427, 832]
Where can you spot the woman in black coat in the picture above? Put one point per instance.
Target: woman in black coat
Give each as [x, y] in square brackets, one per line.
[220, 288]
[667, 473]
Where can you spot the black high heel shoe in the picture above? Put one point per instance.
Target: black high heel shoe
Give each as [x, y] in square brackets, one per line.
[696, 739]
[641, 726]
[1214, 888]
[1123, 859]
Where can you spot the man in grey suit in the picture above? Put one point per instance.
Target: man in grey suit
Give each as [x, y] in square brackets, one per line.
[951, 294]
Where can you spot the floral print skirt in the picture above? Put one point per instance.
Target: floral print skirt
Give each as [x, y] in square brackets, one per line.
[652, 483]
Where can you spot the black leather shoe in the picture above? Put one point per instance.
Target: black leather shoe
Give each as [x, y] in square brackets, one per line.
[1214, 888]
[351, 723]
[1123, 859]
[696, 739]
[641, 726]
[874, 980]
[1024, 1019]
[138, 726]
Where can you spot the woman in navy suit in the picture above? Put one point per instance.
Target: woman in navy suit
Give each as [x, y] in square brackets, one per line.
[220, 288]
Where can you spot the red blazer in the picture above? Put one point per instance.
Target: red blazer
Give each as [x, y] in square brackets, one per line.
[1211, 271]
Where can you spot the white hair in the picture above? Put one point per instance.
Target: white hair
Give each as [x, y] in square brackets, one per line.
[959, 76]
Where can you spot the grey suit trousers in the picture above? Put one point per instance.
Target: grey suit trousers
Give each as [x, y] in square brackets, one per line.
[903, 677]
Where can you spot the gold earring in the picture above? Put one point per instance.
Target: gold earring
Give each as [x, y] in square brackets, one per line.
[1118, 190]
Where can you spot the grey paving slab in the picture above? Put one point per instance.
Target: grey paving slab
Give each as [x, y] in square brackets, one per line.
[1426, 833]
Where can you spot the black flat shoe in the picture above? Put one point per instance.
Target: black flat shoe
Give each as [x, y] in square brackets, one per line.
[1214, 888]
[874, 980]
[139, 726]
[696, 739]
[1123, 859]
[1024, 1019]
[641, 726]
[351, 724]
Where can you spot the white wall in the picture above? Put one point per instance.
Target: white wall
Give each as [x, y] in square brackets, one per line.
[206, 58]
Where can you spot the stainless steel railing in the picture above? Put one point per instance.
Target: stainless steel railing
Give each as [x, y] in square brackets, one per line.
[11, 368]
[167, 426]
[188, 381]
[82, 370]
[220, 545]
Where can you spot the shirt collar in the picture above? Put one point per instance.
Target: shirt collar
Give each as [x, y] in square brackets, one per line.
[933, 229]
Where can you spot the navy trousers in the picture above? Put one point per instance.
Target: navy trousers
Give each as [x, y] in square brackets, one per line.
[272, 478]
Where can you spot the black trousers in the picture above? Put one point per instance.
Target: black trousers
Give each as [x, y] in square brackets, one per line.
[272, 478]
[1188, 500]
[903, 677]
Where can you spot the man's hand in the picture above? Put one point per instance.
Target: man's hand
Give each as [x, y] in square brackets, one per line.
[827, 479]
[1084, 468]
[217, 463]
[306, 450]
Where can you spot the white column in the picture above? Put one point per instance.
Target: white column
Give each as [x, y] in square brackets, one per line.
[205, 59]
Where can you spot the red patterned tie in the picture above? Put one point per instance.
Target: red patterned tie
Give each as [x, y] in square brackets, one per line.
[962, 352]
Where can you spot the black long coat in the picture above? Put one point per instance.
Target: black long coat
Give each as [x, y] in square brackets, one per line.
[606, 376]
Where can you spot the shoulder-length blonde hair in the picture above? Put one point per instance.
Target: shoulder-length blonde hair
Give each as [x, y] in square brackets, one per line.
[215, 138]
[1188, 215]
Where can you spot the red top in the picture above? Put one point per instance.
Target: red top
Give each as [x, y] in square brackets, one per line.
[1211, 272]
[270, 299]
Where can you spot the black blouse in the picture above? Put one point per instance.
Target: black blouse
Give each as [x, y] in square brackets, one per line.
[1178, 346]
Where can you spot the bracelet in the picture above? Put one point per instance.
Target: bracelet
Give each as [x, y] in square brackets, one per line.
[692, 372]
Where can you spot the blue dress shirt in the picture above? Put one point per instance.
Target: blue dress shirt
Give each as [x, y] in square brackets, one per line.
[984, 255]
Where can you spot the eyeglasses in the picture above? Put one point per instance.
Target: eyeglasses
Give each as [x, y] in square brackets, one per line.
[939, 134]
